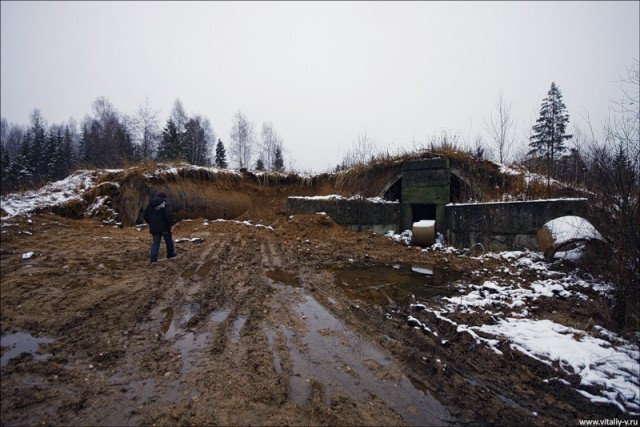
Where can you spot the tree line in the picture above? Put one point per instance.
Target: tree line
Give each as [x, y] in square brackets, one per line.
[34, 154]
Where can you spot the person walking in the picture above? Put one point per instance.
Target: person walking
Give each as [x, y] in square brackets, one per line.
[160, 219]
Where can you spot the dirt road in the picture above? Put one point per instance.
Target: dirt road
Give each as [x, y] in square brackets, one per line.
[252, 324]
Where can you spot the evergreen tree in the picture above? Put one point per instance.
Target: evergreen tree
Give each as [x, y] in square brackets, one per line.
[549, 131]
[169, 148]
[5, 167]
[194, 142]
[221, 155]
[107, 141]
[22, 168]
[124, 150]
[37, 155]
[93, 149]
[278, 161]
[67, 147]
[54, 151]
[82, 145]
[260, 165]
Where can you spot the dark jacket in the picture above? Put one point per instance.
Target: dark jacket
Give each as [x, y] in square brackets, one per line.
[158, 215]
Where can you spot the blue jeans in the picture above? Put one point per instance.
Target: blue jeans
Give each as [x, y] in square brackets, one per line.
[155, 245]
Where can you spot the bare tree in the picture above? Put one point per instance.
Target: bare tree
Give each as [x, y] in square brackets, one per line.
[145, 124]
[613, 178]
[243, 138]
[179, 116]
[12, 136]
[271, 143]
[479, 150]
[363, 149]
[624, 126]
[210, 138]
[500, 127]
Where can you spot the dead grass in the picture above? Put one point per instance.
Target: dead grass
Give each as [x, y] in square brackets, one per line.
[73, 209]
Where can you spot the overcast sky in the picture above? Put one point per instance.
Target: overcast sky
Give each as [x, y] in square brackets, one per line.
[321, 72]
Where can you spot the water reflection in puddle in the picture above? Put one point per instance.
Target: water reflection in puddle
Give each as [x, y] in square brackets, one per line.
[277, 363]
[344, 361]
[175, 319]
[279, 275]
[220, 315]
[385, 284]
[21, 342]
[237, 327]
[187, 342]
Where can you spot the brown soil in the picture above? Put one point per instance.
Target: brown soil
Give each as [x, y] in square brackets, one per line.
[250, 327]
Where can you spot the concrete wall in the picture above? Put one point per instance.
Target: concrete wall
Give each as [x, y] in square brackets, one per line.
[357, 214]
[505, 226]
[425, 182]
[497, 226]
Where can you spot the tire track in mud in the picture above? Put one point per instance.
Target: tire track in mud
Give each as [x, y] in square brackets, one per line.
[200, 323]
[226, 331]
[149, 375]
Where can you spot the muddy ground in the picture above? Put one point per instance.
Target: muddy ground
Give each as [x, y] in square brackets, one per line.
[252, 324]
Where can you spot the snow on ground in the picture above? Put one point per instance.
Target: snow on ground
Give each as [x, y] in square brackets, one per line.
[53, 194]
[336, 197]
[165, 169]
[528, 176]
[608, 365]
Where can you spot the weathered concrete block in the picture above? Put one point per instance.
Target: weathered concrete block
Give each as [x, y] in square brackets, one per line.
[425, 182]
[355, 213]
[511, 225]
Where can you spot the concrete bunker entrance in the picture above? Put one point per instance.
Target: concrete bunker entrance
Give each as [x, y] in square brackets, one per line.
[420, 211]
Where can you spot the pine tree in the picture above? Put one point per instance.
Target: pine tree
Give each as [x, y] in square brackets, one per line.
[278, 161]
[549, 131]
[82, 145]
[22, 168]
[169, 148]
[221, 155]
[194, 142]
[260, 165]
[68, 152]
[5, 167]
[38, 156]
[53, 148]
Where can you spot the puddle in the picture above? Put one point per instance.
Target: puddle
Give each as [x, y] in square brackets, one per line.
[173, 321]
[174, 327]
[277, 363]
[344, 361]
[20, 342]
[386, 284]
[167, 322]
[187, 344]
[238, 324]
[220, 315]
[279, 275]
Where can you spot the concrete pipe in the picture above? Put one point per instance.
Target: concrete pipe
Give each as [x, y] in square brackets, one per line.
[424, 233]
